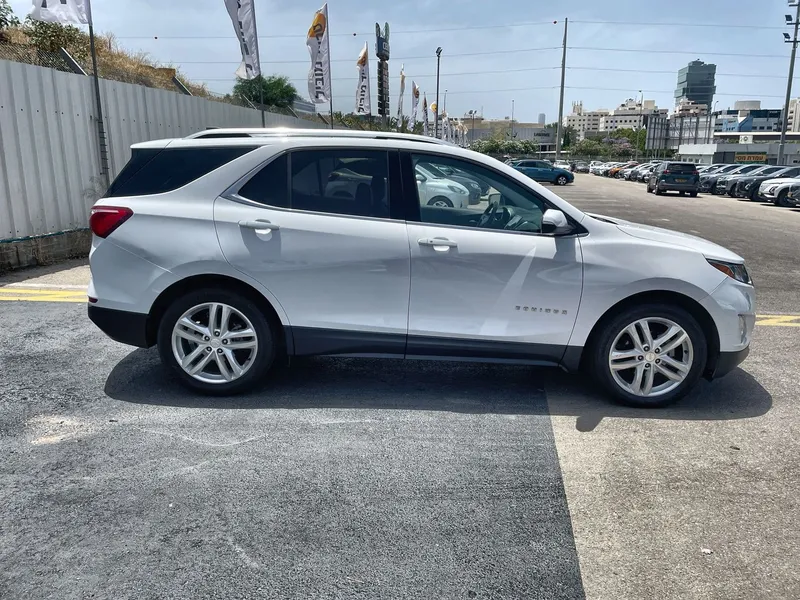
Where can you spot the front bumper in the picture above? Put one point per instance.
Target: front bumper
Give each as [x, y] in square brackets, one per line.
[122, 326]
[726, 362]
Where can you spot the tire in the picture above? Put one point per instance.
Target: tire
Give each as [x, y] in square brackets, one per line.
[658, 192]
[780, 199]
[255, 362]
[693, 194]
[693, 354]
[440, 201]
[682, 193]
[649, 189]
[562, 180]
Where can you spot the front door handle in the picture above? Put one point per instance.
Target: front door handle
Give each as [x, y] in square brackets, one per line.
[259, 225]
[438, 244]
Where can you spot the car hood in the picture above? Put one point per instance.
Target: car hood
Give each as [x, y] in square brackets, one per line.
[675, 238]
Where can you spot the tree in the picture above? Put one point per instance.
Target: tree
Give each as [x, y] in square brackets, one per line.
[277, 89]
[7, 16]
[51, 37]
[589, 148]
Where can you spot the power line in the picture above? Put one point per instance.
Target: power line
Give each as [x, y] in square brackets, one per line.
[355, 34]
[699, 24]
[695, 53]
[462, 28]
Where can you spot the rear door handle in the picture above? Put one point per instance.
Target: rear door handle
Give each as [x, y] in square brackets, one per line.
[438, 244]
[259, 225]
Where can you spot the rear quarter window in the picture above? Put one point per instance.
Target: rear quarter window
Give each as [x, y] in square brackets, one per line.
[157, 171]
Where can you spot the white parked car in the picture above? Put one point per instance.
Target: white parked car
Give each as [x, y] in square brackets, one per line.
[439, 191]
[563, 164]
[776, 190]
[227, 253]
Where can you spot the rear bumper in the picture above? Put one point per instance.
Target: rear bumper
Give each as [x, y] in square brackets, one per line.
[122, 326]
[677, 187]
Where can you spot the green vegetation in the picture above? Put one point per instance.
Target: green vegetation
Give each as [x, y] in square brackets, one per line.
[276, 89]
[7, 16]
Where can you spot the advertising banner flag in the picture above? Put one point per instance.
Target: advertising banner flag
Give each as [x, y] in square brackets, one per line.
[243, 17]
[414, 105]
[425, 125]
[363, 95]
[402, 93]
[318, 42]
[67, 12]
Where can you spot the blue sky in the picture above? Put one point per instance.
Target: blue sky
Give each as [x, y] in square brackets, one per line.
[476, 71]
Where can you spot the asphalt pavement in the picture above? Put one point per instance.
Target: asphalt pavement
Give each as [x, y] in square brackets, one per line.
[387, 479]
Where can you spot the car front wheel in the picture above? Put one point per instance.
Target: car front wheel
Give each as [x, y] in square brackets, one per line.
[218, 342]
[649, 356]
[562, 180]
[440, 201]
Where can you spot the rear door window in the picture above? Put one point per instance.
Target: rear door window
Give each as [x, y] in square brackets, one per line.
[344, 182]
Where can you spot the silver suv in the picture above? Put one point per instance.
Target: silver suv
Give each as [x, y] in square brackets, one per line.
[230, 250]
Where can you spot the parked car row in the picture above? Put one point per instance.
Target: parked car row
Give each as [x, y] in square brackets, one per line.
[779, 184]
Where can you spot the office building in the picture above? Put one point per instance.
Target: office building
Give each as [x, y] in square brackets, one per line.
[542, 119]
[696, 83]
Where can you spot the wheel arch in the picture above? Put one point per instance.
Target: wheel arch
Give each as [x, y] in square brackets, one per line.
[197, 282]
[576, 360]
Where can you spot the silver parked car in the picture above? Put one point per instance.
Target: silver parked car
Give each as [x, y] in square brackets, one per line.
[228, 252]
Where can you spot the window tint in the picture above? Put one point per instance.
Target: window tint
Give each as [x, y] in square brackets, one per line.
[681, 168]
[345, 182]
[158, 171]
[270, 185]
[504, 205]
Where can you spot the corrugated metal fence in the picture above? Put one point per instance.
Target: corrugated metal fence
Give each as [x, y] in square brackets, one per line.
[49, 152]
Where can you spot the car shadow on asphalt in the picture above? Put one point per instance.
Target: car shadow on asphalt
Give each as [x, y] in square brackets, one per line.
[459, 387]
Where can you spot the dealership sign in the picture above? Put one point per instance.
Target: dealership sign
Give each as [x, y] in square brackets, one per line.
[744, 158]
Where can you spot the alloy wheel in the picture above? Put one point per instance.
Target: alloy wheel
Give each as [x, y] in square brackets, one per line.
[651, 357]
[214, 343]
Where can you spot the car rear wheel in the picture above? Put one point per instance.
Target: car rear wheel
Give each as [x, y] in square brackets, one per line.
[440, 201]
[693, 194]
[218, 342]
[649, 356]
[562, 180]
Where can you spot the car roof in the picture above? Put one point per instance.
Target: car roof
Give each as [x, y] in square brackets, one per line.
[260, 132]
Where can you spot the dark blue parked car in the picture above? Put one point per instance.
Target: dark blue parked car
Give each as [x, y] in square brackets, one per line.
[541, 170]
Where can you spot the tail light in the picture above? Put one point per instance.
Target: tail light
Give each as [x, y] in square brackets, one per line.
[666, 172]
[105, 219]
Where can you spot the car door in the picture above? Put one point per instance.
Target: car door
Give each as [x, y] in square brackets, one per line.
[485, 281]
[319, 229]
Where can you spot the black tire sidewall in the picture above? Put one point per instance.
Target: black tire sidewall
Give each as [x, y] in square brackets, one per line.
[613, 325]
[266, 340]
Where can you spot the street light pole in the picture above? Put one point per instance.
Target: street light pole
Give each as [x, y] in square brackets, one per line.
[472, 114]
[512, 118]
[641, 125]
[436, 112]
[444, 104]
[793, 42]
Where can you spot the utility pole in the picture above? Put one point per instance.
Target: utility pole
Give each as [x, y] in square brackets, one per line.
[793, 42]
[436, 112]
[512, 118]
[560, 130]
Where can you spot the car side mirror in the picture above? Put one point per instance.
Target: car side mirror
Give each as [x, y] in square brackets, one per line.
[420, 178]
[555, 222]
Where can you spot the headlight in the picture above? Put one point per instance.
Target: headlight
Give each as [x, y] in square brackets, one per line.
[457, 190]
[737, 271]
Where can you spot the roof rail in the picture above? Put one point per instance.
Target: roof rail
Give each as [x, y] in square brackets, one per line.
[239, 132]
